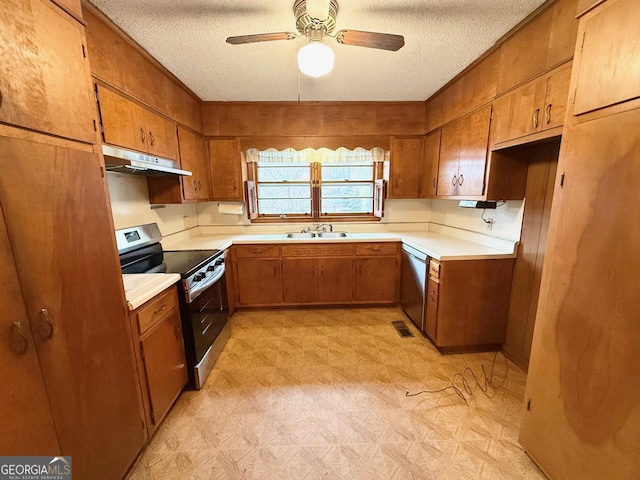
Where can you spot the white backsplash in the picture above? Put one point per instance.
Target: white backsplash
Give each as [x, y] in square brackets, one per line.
[507, 219]
[130, 206]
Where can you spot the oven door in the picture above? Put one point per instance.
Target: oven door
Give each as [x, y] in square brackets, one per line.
[207, 314]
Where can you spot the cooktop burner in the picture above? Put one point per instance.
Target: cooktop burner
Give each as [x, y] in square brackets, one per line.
[187, 262]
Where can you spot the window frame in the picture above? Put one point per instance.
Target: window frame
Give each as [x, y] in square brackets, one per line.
[316, 184]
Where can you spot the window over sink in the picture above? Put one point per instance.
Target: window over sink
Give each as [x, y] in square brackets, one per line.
[320, 184]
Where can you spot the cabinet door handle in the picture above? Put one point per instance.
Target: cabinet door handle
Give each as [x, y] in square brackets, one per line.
[143, 136]
[158, 310]
[535, 118]
[432, 294]
[151, 137]
[433, 182]
[178, 332]
[461, 180]
[321, 270]
[547, 114]
[46, 327]
[454, 180]
[18, 342]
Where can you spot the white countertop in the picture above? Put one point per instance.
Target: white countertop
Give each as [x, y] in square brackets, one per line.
[434, 244]
[142, 287]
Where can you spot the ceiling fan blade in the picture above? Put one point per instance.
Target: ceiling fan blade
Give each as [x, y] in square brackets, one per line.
[318, 9]
[383, 41]
[261, 37]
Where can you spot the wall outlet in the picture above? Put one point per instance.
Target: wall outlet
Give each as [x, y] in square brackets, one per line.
[189, 222]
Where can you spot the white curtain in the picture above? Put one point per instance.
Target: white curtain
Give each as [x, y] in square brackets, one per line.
[321, 155]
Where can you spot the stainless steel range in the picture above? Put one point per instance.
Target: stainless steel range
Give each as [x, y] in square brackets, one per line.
[203, 292]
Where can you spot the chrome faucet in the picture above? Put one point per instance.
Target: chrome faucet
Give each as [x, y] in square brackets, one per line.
[324, 226]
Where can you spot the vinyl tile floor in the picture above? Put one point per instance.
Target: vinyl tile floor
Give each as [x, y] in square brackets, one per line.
[321, 394]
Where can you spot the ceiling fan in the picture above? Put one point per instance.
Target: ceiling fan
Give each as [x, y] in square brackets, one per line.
[316, 19]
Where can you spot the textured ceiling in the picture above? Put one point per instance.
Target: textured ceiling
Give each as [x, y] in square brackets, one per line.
[188, 37]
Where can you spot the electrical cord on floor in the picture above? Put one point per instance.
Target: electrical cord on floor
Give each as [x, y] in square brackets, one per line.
[461, 377]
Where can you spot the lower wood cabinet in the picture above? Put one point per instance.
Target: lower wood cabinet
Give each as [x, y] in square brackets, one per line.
[316, 274]
[162, 367]
[258, 275]
[468, 303]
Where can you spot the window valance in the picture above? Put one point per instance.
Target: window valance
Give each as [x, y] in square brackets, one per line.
[320, 155]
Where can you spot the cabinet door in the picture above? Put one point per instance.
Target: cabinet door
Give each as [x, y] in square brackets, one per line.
[193, 158]
[335, 284]
[45, 83]
[527, 109]
[164, 363]
[405, 167]
[300, 280]
[556, 97]
[226, 171]
[259, 282]
[431, 321]
[449, 159]
[609, 64]
[586, 341]
[429, 168]
[376, 279]
[161, 135]
[65, 254]
[122, 121]
[26, 424]
[473, 152]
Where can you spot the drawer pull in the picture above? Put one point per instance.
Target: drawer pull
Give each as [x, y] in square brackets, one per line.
[461, 180]
[18, 342]
[46, 327]
[535, 118]
[454, 180]
[143, 136]
[432, 294]
[155, 312]
[152, 139]
[547, 114]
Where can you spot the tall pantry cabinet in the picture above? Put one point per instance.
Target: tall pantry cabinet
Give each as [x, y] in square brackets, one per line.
[582, 417]
[66, 355]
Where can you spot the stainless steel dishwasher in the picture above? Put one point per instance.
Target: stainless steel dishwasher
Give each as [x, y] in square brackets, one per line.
[413, 285]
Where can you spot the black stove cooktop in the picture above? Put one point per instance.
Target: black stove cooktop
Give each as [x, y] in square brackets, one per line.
[187, 262]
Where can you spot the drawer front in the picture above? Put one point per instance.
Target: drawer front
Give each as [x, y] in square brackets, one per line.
[434, 269]
[325, 250]
[390, 248]
[257, 251]
[156, 309]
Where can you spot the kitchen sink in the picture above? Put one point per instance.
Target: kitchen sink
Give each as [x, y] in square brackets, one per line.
[316, 235]
[332, 234]
[300, 235]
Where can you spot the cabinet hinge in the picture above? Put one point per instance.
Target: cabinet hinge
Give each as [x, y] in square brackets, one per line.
[142, 352]
[84, 52]
[484, 186]
[102, 171]
[95, 125]
[95, 92]
[562, 180]
[153, 417]
[584, 34]
[528, 405]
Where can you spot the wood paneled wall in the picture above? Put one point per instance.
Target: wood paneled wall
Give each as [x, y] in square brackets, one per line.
[117, 60]
[313, 118]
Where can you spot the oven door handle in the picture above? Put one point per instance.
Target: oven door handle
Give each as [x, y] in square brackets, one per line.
[195, 292]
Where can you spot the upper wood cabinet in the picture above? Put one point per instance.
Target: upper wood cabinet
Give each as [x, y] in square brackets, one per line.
[65, 257]
[429, 167]
[545, 42]
[193, 157]
[44, 72]
[406, 155]
[463, 155]
[608, 72]
[537, 106]
[226, 169]
[127, 124]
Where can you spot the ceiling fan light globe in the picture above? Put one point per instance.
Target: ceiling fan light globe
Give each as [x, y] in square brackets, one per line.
[315, 59]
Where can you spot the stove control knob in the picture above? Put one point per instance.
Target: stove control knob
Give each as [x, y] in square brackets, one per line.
[211, 268]
[218, 262]
[199, 276]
